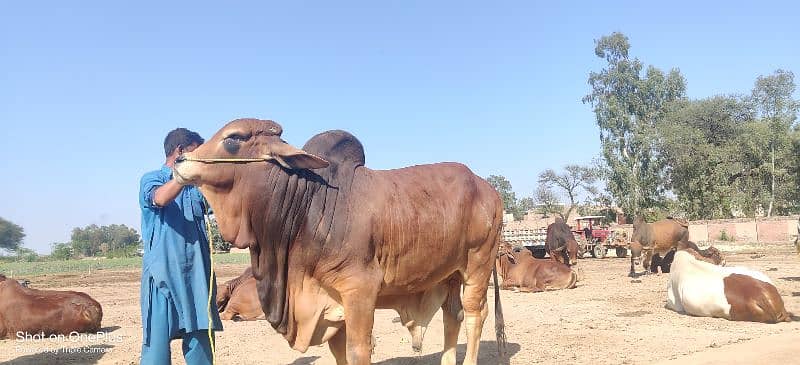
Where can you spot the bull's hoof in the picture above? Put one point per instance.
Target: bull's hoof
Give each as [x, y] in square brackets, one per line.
[632, 274]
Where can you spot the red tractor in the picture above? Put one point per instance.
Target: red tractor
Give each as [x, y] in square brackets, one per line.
[593, 238]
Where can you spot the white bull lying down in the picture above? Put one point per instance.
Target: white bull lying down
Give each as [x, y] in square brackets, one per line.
[735, 293]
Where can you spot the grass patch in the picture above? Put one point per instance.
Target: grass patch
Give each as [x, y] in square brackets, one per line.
[77, 266]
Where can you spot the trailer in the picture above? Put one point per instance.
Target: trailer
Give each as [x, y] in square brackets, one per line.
[596, 240]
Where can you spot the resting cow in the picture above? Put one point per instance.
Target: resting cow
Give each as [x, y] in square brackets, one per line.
[658, 239]
[521, 270]
[238, 298]
[560, 243]
[735, 293]
[711, 255]
[32, 311]
[329, 236]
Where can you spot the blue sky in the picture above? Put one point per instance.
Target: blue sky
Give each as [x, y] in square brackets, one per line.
[88, 90]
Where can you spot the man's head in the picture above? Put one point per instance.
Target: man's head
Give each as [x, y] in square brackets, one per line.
[180, 140]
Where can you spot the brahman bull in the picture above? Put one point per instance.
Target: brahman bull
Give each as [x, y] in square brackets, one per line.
[560, 243]
[45, 312]
[329, 236]
[735, 293]
[659, 239]
[521, 270]
[238, 298]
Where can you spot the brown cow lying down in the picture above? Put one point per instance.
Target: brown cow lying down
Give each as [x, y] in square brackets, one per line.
[710, 255]
[522, 270]
[238, 298]
[51, 312]
[735, 293]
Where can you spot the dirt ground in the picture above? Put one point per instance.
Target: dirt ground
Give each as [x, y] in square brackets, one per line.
[608, 319]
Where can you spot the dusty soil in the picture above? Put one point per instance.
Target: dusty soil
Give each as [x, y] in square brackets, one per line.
[608, 319]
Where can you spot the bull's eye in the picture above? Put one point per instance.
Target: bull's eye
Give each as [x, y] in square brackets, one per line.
[231, 145]
[237, 137]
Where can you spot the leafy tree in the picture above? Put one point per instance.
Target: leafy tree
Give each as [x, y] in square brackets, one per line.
[700, 145]
[547, 200]
[526, 204]
[89, 240]
[574, 179]
[503, 186]
[61, 251]
[219, 243]
[773, 99]
[627, 106]
[26, 254]
[11, 235]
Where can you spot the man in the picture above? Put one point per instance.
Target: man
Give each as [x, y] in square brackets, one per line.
[176, 262]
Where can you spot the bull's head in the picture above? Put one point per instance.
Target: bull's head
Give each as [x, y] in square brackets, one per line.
[639, 256]
[231, 169]
[505, 249]
[566, 253]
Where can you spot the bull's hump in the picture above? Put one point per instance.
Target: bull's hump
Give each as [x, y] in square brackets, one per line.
[256, 126]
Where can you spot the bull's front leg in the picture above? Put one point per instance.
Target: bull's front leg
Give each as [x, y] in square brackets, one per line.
[359, 312]
[632, 273]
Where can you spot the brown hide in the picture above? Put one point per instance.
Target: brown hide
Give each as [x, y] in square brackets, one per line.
[327, 233]
[710, 255]
[522, 270]
[655, 238]
[754, 300]
[238, 298]
[50, 312]
[560, 243]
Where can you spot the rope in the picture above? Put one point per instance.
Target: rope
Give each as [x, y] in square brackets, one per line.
[228, 160]
[210, 282]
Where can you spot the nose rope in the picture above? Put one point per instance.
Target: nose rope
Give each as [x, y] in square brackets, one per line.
[226, 160]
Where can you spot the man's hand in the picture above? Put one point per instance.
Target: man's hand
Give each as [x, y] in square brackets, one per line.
[166, 193]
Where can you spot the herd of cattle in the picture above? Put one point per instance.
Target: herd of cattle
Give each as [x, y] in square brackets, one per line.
[331, 240]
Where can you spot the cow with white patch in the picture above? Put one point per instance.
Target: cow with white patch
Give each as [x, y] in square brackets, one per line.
[735, 293]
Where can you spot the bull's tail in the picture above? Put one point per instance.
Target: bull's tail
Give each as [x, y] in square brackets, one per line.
[499, 323]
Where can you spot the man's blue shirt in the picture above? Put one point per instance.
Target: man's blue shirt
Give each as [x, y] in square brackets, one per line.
[176, 254]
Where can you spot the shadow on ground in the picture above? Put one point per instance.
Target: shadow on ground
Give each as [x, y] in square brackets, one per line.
[309, 360]
[486, 355]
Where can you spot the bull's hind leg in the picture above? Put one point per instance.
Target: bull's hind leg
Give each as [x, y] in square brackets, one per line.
[476, 283]
[452, 315]
[338, 346]
[475, 312]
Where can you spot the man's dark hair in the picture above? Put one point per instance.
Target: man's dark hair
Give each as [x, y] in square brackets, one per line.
[180, 137]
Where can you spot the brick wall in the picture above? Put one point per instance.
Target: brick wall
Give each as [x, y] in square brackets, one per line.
[762, 230]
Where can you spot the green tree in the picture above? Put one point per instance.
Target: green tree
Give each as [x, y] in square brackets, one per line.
[88, 241]
[627, 106]
[700, 145]
[547, 201]
[220, 245]
[571, 182]
[526, 204]
[61, 251]
[777, 108]
[503, 186]
[11, 235]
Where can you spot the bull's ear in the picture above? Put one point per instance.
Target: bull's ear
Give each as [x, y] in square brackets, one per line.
[295, 158]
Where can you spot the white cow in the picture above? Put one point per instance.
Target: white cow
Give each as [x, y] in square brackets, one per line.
[736, 293]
